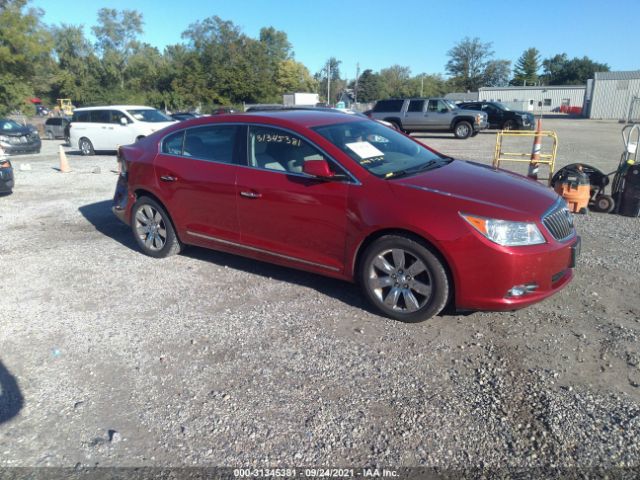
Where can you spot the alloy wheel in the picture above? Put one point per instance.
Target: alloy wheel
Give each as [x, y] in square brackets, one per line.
[400, 280]
[151, 228]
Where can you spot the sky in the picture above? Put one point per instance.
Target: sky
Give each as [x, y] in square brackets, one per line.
[377, 34]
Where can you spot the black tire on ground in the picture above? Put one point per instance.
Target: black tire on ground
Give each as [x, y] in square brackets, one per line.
[462, 130]
[603, 204]
[396, 125]
[67, 141]
[86, 147]
[403, 279]
[153, 229]
[510, 125]
[49, 135]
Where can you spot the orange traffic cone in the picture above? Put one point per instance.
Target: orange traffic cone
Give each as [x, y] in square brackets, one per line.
[535, 153]
[64, 163]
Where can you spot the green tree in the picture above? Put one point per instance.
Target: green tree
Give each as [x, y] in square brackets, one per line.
[328, 89]
[370, 87]
[116, 35]
[293, 76]
[471, 65]
[395, 81]
[526, 69]
[559, 70]
[24, 46]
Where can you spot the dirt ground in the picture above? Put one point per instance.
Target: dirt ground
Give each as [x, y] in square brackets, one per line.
[111, 358]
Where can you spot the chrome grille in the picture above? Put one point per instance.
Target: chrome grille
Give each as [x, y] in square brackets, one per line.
[559, 221]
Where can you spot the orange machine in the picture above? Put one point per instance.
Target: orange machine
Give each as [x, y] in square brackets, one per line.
[573, 185]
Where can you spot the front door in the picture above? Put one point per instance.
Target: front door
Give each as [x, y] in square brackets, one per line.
[196, 174]
[414, 117]
[285, 213]
[438, 116]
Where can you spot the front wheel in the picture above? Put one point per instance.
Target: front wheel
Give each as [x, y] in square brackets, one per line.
[462, 130]
[603, 204]
[153, 230]
[404, 279]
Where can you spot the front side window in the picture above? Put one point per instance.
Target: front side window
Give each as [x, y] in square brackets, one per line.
[149, 115]
[116, 115]
[279, 150]
[381, 150]
[9, 126]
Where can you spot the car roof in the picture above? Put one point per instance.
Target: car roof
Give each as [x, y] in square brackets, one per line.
[122, 107]
[305, 118]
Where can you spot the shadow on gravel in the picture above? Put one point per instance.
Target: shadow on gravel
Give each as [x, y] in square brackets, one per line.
[100, 216]
[11, 400]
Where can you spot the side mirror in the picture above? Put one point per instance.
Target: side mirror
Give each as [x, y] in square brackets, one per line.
[318, 169]
[124, 121]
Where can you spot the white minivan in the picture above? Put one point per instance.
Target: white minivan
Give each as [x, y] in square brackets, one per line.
[104, 128]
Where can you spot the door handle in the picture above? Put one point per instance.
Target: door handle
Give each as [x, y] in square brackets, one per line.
[168, 178]
[250, 194]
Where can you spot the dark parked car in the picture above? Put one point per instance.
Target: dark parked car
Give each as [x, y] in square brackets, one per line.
[501, 117]
[349, 198]
[15, 138]
[6, 174]
[56, 127]
[181, 116]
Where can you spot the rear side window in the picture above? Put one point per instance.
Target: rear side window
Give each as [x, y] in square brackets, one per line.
[54, 121]
[172, 144]
[416, 106]
[470, 106]
[388, 105]
[80, 116]
[215, 143]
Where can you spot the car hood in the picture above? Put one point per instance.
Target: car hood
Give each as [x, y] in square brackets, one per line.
[477, 183]
[18, 132]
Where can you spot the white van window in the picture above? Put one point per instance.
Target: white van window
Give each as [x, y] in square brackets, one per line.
[149, 115]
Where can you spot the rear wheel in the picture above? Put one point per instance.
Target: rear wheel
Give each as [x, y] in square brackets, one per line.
[403, 279]
[462, 130]
[509, 125]
[86, 147]
[49, 135]
[153, 230]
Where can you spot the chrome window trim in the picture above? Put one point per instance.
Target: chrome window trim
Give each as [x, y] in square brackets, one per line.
[260, 250]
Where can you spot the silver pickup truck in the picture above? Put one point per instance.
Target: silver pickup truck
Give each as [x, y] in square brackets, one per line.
[430, 115]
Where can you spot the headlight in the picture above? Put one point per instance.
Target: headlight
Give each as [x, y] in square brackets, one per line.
[506, 233]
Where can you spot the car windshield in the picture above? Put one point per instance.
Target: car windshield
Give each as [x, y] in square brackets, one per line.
[7, 125]
[380, 149]
[501, 106]
[149, 115]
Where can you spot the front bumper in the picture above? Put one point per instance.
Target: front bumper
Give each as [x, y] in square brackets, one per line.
[480, 126]
[486, 273]
[22, 148]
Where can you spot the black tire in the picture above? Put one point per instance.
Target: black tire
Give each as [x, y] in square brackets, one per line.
[86, 147]
[603, 204]
[510, 125]
[67, 141]
[462, 130]
[49, 135]
[145, 223]
[396, 125]
[139, 138]
[418, 268]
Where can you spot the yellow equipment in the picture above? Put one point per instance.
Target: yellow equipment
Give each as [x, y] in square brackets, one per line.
[64, 106]
[548, 159]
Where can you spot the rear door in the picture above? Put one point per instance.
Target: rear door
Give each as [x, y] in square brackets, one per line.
[285, 213]
[196, 174]
[414, 116]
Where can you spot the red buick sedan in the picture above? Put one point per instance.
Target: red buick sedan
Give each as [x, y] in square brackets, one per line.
[347, 197]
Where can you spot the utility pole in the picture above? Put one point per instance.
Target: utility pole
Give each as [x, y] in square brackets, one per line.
[421, 84]
[355, 94]
[329, 82]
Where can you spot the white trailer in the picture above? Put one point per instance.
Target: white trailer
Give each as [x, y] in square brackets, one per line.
[300, 99]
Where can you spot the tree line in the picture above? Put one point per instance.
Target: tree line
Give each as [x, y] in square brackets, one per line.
[217, 64]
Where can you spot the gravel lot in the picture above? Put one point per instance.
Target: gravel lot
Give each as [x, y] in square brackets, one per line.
[111, 358]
